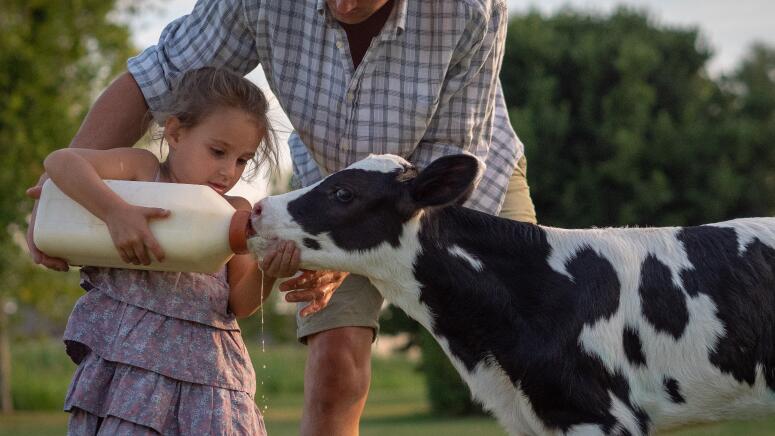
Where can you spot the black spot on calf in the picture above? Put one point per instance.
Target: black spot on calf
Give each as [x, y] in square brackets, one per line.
[311, 243]
[633, 348]
[663, 304]
[674, 390]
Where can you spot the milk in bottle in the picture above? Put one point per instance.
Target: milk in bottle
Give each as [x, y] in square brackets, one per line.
[201, 233]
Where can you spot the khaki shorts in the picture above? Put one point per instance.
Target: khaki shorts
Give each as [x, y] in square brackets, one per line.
[357, 303]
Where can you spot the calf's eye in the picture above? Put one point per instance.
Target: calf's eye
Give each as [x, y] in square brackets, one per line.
[343, 195]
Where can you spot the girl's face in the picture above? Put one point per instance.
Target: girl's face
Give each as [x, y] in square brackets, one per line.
[215, 151]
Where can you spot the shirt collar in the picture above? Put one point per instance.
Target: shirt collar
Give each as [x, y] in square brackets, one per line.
[396, 22]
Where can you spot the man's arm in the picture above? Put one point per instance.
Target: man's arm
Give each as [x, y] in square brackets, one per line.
[117, 119]
[471, 100]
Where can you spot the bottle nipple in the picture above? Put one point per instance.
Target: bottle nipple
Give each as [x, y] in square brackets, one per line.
[238, 231]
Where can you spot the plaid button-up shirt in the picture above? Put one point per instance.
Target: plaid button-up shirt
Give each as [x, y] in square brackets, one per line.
[428, 85]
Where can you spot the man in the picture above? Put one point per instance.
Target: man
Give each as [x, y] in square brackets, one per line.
[417, 78]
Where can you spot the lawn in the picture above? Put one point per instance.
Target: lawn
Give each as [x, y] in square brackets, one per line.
[379, 420]
[396, 404]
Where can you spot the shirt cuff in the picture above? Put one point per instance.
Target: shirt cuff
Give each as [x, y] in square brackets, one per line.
[147, 71]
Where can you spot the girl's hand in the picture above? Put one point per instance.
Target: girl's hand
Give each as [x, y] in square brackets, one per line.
[317, 287]
[131, 235]
[283, 261]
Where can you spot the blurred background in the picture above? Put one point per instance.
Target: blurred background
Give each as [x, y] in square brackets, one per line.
[633, 112]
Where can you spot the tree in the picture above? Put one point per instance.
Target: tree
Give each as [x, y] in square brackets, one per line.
[54, 56]
[749, 134]
[623, 126]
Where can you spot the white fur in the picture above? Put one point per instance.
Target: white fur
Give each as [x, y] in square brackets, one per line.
[383, 163]
[475, 263]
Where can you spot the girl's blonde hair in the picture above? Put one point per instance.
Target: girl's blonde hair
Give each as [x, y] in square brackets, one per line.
[198, 93]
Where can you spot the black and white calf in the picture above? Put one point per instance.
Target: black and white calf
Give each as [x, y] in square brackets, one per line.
[599, 331]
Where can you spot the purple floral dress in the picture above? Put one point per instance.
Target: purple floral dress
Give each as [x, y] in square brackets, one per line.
[158, 353]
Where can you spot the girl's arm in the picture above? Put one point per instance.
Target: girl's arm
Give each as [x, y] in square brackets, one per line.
[249, 286]
[79, 173]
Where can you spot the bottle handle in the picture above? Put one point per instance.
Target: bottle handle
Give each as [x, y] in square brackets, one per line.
[238, 231]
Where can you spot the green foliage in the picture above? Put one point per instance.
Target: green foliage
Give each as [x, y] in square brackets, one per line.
[623, 126]
[54, 55]
[46, 296]
[41, 374]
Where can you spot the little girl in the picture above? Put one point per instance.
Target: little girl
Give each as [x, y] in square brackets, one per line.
[161, 352]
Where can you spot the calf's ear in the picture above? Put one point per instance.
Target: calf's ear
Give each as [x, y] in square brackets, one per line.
[447, 180]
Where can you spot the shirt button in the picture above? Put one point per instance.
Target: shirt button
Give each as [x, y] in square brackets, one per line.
[349, 97]
[339, 45]
[344, 145]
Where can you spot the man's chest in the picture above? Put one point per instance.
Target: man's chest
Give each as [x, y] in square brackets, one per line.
[308, 62]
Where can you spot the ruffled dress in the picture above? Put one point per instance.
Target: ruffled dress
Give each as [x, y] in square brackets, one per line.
[158, 353]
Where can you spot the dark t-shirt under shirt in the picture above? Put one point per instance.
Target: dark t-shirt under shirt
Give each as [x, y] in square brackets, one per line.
[359, 35]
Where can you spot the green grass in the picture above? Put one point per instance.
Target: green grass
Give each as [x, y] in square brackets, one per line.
[33, 424]
[55, 423]
[386, 413]
[396, 404]
[376, 424]
[759, 427]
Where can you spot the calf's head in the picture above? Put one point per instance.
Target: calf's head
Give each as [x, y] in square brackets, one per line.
[348, 220]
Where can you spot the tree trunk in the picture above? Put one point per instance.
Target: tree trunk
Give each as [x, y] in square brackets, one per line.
[6, 404]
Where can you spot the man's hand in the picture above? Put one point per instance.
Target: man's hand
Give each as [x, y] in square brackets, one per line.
[317, 287]
[38, 256]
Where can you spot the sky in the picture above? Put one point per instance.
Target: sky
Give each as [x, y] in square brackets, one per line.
[728, 27]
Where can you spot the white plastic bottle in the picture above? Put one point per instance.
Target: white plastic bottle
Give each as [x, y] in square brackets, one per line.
[201, 233]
